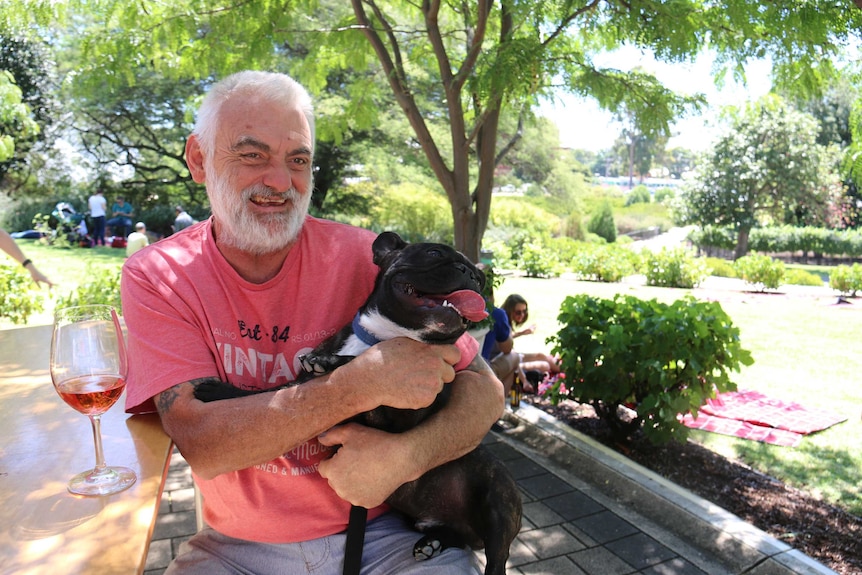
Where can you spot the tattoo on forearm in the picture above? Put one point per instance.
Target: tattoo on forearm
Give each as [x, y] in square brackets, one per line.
[165, 400]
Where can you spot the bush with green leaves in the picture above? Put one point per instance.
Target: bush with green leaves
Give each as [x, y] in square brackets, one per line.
[538, 261]
[675, 267]
[720, 267]
[102, 288]
[639, 195]
[18, 298]
[603, 263]
[846, 279]
[799, 277]
[661, 360]
[760, 270]
[602, 223]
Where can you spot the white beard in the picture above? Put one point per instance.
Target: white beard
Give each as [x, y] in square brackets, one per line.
[257, 234]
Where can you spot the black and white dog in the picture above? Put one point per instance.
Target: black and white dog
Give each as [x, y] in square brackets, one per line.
[427, 292]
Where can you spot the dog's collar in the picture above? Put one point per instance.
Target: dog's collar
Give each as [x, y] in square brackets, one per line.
[363, 334]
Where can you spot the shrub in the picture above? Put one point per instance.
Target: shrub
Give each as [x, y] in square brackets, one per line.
[846, 279]
[661, 360]
[720, 268]
[603, 263]
[538, 261]
[799, 277]
[760, 270]
[639, 195]
[602, 223]
[103, 288]
[674, 268]
[18, 299]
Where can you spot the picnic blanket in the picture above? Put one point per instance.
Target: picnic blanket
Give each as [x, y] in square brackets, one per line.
[752, 415]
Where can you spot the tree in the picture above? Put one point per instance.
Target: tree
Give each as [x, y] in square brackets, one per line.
[31, 69]
[767, 165]
[15, 120]
[461, 65]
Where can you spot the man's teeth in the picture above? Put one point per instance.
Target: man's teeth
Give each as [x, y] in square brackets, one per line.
[268, 200]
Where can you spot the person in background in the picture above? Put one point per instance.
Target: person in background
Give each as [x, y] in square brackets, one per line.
[98, 206]
[497, 348]
[182, 221]
[518, 313]
[121, 217]
[239, 298]
[137, 239]
[8, 245]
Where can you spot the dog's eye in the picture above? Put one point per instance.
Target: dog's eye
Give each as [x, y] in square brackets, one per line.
[434, 253]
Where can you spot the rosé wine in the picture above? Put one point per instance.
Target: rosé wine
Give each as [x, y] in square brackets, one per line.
[91, 394]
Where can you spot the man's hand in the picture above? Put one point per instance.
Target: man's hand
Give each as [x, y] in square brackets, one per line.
[400, 373]
[369, 465]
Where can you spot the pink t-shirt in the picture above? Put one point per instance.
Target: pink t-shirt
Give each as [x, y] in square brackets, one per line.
[189, 315]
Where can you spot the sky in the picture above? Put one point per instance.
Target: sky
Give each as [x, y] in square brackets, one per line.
[583, 125]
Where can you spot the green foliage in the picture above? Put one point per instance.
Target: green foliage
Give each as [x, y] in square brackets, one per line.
[639, 195]
[18, 299]
[662, 360]
[603, 263]
[760, 270]
[674, 268]
[766, 167]
[720, 267]
[103, 287]
[802, 278]
[664, 195]
[779, 239]
[602, 223]
[538, 261]
[846, 279]
[414, 212]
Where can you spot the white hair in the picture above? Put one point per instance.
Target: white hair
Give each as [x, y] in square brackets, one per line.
[269, 86]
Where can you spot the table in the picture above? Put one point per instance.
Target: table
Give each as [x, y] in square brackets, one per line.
[43, 442]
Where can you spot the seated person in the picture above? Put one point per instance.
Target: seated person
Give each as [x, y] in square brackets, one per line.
[121, 217]
[517, 312]
[137, 239]
[497, 349]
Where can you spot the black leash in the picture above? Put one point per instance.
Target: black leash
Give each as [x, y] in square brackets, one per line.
[355, 540]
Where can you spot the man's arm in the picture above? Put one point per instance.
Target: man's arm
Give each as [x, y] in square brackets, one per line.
[223, 436]
[371, 464]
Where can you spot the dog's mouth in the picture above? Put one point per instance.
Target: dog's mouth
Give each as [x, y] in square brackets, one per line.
[467, 303]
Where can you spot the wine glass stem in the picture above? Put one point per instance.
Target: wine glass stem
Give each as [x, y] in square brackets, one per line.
[96, 420]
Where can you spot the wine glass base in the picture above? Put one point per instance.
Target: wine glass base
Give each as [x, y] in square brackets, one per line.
[110, 480]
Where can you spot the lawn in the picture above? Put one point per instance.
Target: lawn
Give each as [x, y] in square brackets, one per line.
[805, 350]
[67, 268]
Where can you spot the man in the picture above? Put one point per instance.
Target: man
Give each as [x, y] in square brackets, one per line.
[97, 205]
[137, 239]
[240, 297]
[183, 219]
[121, 217]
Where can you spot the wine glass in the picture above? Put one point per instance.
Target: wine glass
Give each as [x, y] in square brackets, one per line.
[88, 368]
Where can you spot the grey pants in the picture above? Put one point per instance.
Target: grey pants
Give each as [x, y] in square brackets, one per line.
[388, 550]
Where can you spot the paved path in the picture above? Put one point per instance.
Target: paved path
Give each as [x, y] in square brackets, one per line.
[587, 511]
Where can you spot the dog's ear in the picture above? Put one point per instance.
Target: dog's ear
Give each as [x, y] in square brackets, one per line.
[386, 243]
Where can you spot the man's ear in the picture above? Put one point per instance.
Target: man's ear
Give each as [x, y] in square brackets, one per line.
[195, 159]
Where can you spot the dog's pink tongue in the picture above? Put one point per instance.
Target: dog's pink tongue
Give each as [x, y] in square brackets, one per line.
[469, 304]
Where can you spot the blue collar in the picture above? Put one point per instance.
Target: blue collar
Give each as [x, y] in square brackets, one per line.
[363, 334]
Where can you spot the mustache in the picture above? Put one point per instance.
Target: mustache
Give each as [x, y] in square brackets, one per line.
[262, 191]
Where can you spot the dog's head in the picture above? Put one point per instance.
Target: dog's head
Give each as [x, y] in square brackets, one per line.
[425, 291]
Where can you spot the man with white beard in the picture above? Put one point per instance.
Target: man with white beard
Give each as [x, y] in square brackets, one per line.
[240, 297]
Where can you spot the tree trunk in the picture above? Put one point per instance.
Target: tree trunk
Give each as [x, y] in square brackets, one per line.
[741, 242]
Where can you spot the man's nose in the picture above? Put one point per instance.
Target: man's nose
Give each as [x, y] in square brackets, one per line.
[278, 177]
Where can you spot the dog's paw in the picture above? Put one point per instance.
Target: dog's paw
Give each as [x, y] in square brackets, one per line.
[214, 390]
[426, 548]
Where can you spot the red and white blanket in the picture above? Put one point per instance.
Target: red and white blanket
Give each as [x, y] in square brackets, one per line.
[752, 415]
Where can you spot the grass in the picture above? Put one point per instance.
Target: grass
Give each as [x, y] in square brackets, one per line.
[67, 268]
[804, 350]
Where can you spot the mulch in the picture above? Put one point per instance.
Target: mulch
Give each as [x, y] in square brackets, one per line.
[814, 527]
